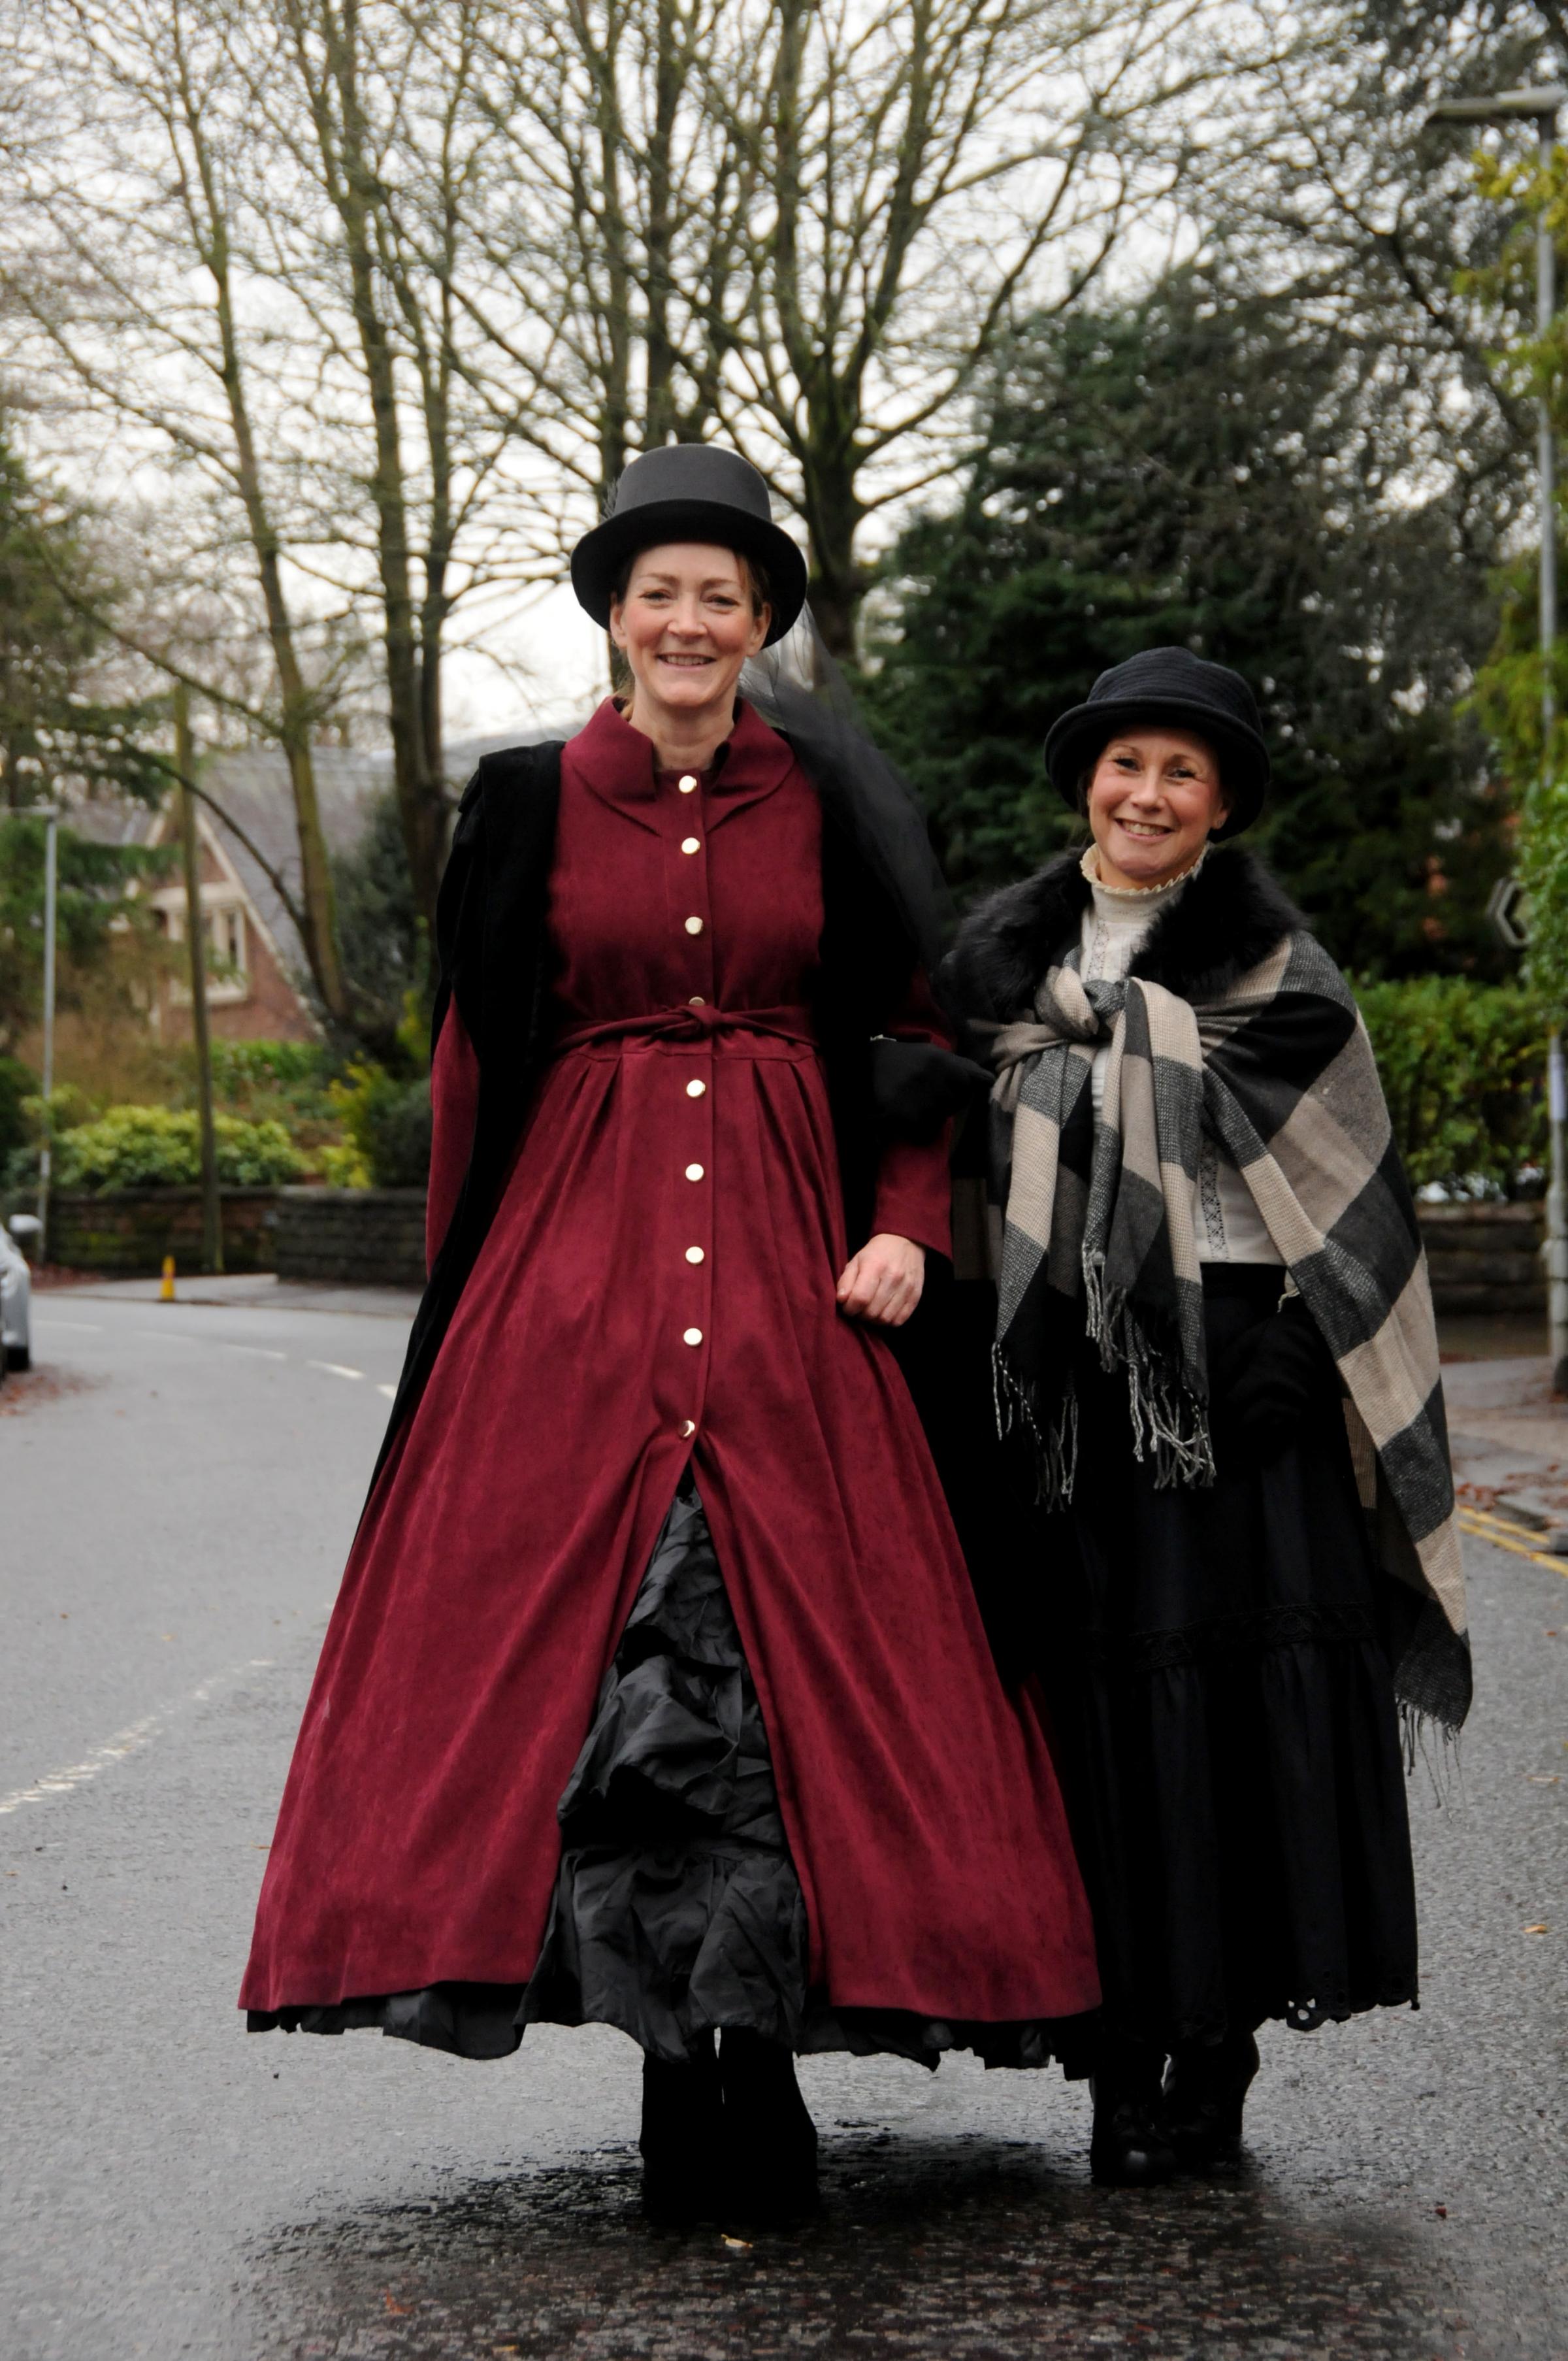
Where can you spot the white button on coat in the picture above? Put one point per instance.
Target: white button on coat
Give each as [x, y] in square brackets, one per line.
[696, 1090]
[695, 1253]
[694, 1173]
[691, 1337]
[694, 925]
[689, 784]
[691, 844]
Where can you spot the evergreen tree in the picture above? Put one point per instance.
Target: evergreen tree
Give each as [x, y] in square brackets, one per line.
[62, 739]
[1219, 468]
[60, 733]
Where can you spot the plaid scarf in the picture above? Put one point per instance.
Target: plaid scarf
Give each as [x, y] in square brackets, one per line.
[1095, 1230]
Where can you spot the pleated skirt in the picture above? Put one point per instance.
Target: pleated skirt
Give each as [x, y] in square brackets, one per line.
[1217, 1665]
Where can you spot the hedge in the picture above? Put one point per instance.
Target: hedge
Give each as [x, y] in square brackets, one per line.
[153, 1146]
[1463, 1068]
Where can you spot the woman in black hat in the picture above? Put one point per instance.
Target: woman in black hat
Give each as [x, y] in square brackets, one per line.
[1218, 1374]
[656, 1693]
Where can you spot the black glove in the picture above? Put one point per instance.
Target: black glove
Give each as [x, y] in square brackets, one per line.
[1272, 1379]
[918, 1086]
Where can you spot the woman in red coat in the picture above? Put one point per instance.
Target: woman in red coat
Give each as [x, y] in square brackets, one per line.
[655, 1694]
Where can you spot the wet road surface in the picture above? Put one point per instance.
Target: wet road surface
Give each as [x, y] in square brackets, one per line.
[178, 1487]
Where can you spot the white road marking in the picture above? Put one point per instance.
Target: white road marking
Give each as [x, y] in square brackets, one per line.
[390, 1392]
[83, 1327]
[127, 1741]
[164, 1335]
[76, 1775]
[261, 1352]
[334, 1369]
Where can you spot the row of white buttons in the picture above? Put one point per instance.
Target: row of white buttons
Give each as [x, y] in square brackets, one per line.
[694, 1090]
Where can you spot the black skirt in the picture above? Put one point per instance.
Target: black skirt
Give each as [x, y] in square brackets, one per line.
[1218, 1671]
[677, 1910]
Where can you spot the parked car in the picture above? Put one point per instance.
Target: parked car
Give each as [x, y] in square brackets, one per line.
[16, 1294]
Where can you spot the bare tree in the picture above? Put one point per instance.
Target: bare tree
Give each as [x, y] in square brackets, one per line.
[806, 223]
[261, 231]
[394, 160]
[136, 191]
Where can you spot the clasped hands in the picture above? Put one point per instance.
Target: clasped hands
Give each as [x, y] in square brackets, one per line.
[881, 1284]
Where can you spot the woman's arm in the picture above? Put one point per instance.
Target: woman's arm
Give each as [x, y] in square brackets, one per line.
[914, 1192]
[912, 1213]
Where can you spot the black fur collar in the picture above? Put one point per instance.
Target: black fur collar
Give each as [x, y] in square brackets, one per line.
[1230, 916]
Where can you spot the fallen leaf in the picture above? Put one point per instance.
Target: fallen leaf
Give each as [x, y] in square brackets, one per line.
[398, 2310]
[746, 2243]
[1542, 1929]
[1441, 2213]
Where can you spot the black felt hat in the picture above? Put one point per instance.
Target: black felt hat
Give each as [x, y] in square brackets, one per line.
[1185, 692]
[690, 491]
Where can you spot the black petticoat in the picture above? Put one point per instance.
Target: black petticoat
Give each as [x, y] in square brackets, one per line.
[1218, 1668]
[677, 1908]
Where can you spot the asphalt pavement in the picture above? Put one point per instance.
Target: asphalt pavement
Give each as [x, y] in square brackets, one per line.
[178, 1487]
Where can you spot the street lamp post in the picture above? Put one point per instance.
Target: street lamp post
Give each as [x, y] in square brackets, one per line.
[1541, 106]
[51, 902]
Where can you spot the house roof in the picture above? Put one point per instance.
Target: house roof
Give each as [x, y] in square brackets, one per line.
[250, 788]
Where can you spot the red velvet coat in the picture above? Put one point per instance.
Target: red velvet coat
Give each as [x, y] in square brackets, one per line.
[657, 1287]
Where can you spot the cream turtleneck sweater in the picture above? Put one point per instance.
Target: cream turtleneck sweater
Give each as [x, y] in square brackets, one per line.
[1225, 1222]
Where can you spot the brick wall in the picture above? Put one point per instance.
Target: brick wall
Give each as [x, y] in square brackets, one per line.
[129, 1230]
[365, 1237]
[1482, 1258]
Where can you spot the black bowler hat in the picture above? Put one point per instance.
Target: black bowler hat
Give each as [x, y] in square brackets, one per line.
[690, 491]
[1185, 692]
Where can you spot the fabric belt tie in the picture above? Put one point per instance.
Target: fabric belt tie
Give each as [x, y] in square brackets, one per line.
[686, 1024]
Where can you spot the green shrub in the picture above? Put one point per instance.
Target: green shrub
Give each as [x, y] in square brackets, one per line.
[243, 1067]
[389, 1127]
[151, 1148]
[1463, 1068]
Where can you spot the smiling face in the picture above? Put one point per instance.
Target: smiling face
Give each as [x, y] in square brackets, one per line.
[686, 624]
[1154, 796]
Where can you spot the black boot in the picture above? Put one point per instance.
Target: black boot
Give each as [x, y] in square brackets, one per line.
[1205, 2088]
[681, 2141]
[1128, 2148]
[769, 2141]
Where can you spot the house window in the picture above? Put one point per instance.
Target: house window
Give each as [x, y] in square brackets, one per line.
[227, 948]
[226, 935]
[227, 965]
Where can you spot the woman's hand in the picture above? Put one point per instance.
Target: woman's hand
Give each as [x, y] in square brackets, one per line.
[882, 1282]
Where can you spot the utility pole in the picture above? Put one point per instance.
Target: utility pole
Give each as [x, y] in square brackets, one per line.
[1541, 106]
[195, 932]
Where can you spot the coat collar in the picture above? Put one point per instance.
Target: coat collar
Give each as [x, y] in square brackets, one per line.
[616, 762]
[1230, 915]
